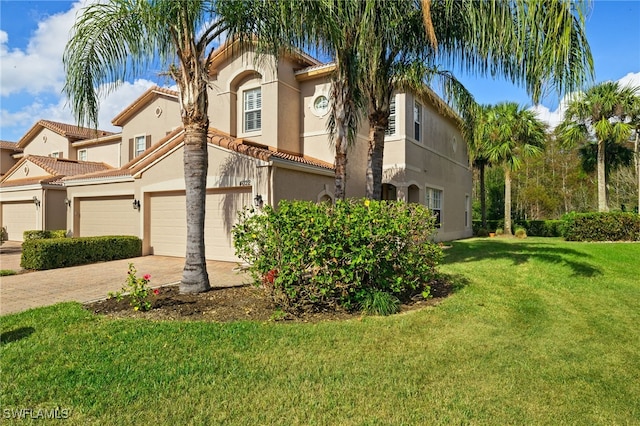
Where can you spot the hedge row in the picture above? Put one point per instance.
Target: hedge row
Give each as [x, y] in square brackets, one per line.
[54, 253]
[39, 235]
[534, 228]
[614, 226]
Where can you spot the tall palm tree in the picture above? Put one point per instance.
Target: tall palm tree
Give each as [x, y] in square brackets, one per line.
[478, 155]
[602, 113]
[513, 134]
[535, 43]
[118, 39]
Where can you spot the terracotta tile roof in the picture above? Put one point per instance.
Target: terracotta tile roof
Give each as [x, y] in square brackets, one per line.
[13, 146]
[69, 131]
[57, 168]
[138, 104]
[64, 167]
[215, 137]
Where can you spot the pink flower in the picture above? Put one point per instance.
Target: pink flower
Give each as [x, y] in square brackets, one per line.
[147, 277]
[156, 291]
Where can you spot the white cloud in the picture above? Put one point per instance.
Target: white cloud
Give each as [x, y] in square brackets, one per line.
[631, 79]
[110, 106]
[553, 118]
[38, 68]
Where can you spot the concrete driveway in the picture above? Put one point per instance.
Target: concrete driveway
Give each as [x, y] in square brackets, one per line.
[92, 282]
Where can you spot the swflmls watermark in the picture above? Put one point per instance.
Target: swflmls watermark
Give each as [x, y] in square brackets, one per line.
[36, 413]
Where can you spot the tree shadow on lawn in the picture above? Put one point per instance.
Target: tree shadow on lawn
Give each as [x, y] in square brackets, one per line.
[520, 252]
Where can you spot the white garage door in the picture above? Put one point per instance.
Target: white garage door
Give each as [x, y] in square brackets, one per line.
[19, 217]
[168, 228]
[107, 216]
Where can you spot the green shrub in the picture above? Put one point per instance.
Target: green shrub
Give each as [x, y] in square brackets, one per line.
[492, 225]
[534, 228]
[54, 253]
[38, 235]
[7, 272]
[482, 232]
[612, 226]
[322, 256]
[520, 232]
[499, 231]
[4, 236]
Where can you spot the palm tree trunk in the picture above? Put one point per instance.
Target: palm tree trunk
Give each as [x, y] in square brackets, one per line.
[374, 161]
[195, 278]
[483, 197]
[507, 201]
[602, 179]
[341, 138]
[637, 153]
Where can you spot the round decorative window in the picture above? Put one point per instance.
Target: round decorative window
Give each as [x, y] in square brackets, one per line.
[158, 111]
[321, 104]
[454, 144]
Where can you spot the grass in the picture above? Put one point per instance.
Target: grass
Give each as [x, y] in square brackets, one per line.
[7, 272]
[540, 332]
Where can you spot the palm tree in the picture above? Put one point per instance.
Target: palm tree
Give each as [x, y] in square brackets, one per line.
[520, 40]
[601, 113]
[513, 134]
[478, 145]
[119, 39]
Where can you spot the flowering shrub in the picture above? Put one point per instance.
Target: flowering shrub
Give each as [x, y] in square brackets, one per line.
[318, 256]
[138, 290]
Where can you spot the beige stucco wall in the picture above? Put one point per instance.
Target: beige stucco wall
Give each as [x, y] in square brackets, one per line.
[301, 185]
[108, 152]
[27, 170]
[45, 142]
[6, 161]
[148, 122]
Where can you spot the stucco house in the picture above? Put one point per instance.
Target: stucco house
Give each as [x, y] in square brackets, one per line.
[146, 121]
[268, 141]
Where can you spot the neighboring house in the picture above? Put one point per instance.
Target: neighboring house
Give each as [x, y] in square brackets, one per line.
[32, 194]
[8, 151]
[269, 141]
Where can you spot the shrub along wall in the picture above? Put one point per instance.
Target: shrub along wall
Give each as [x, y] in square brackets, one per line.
[534, 228]
[37, 235]
[613, 226]
[318, 256]
[54, 253]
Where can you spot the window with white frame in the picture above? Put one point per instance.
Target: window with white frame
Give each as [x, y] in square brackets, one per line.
[417, 120]
[433, 200]
[56, 154]
[391, 128]
[253, 110]
[467, 208]
[82, 155]
[139, 145]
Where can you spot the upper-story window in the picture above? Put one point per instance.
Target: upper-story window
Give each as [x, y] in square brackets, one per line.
[56, 154]
[140, 144]
[417, 120]
[391, 128]
[252, 110]
[82, 155]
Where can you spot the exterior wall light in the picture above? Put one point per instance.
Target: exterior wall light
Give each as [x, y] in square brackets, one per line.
[36, 201]
[257, 201]
[136, 205]
[67, 202]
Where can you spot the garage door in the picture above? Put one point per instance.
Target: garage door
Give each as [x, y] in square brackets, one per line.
[19, 217]
[168, 229]
[107, 216]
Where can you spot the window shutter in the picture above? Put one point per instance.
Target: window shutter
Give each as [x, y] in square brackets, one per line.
[130, 149]
[148, 142]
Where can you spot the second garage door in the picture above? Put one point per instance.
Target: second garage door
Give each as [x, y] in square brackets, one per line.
[168, 229]
[107, 216]
[19, 217]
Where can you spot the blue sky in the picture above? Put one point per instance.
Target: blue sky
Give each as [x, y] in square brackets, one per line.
[33, 35]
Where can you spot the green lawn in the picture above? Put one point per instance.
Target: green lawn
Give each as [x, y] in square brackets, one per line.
[540, 332]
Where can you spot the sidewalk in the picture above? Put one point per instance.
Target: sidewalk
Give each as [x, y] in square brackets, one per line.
[91, 282]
